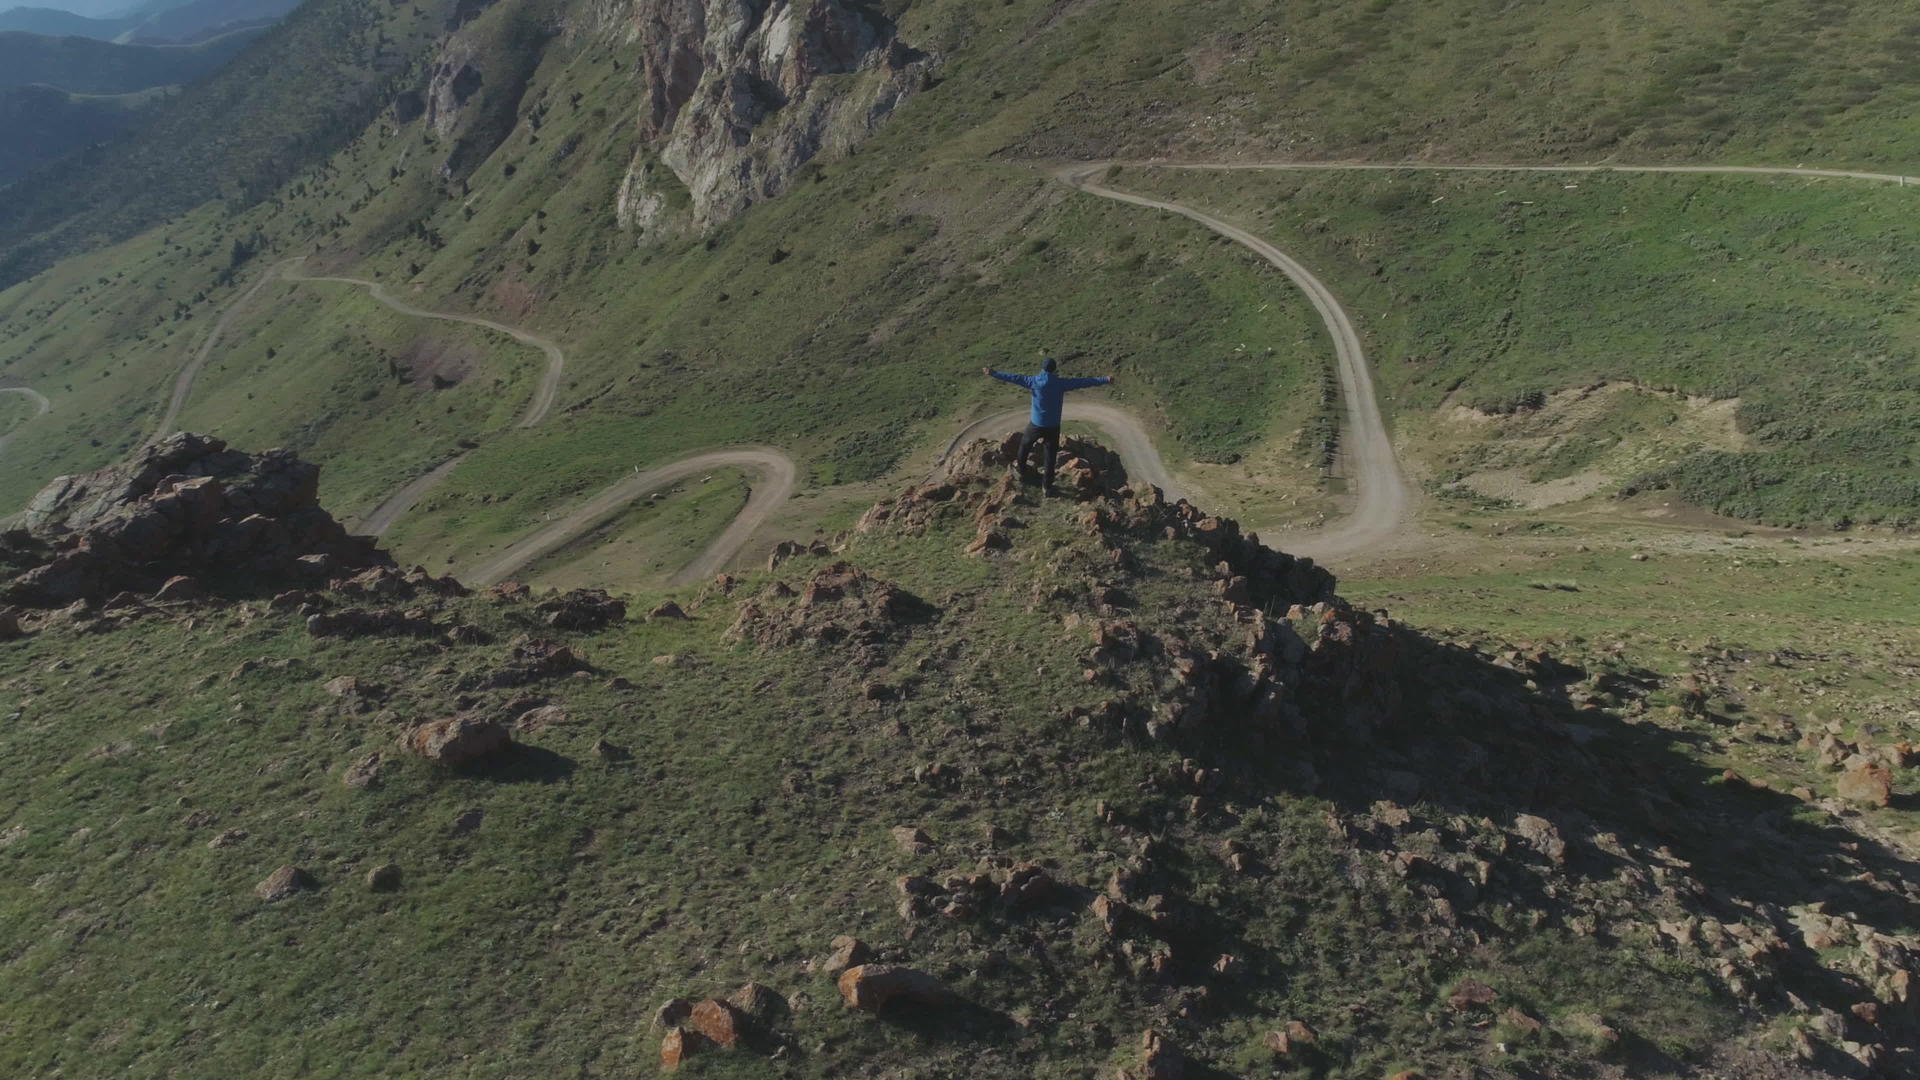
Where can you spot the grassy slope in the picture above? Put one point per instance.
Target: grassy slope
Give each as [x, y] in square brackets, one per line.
[651, 541]
[749, 828]
[1487, 290]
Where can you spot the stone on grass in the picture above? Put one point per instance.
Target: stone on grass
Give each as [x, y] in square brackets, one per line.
[383, 878]
[283, 883]
[759, 1003]
[717, 1020]
[871, 987]
[847, 952]
[1867, 783]
[672, 1013]
[458, 740]
[678, 1046]
[912, 840]
[668, 610]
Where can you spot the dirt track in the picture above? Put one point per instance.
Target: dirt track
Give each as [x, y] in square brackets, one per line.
[780, 472]
[183, 382]
[549, 388]
[1385, 502]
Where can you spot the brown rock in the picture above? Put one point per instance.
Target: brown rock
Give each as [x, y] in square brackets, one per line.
[1159, 1059]
[1469, 993]
[540, 719]
[1867, 783]
[1278, 1043]
[759, 1004]
[672, 1013]
[847, 952]
[871, 987]
[668, 610]
[717, 1020]
[383, 878]
[10, 625]
[678, 1046]
[1542, 836]
[458, 740]
[912, 840]
[227, 838]
[1299, 1034]
[1110, 914]
[343, 685]
[283, 883]
[990, 539]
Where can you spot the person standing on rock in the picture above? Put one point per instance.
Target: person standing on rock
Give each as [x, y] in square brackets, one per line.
[1043, 424]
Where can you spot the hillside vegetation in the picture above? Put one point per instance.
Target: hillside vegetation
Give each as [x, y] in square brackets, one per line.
[1054, 777]
[1493, 291]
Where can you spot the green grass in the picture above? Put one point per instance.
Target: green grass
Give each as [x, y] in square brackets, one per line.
[648, 542]
[1492, 290]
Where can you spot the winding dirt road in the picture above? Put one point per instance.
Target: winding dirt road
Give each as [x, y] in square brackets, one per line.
[543, 397]
[183, 382]
[1384, 504]
[779, 471]
[39, 400]
[1385, 501]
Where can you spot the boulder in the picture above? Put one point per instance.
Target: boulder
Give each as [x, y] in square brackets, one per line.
[678, 1046]
[872, 987]
[458, 740]
[668, 610]
[1542, 836]
[1867, 783]
[383, 878]
[846, 952]
[283, 883]
[912, 840]
[1159, 1060]
[718, 1021]
[671, 1014]
[179, 511]
[759, 1004]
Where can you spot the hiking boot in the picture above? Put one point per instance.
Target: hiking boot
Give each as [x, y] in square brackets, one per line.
[1029, 475]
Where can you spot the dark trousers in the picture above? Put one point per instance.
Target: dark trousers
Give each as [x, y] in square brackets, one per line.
[1048, 439]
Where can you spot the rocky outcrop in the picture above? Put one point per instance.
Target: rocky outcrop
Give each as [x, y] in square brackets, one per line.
[841, 606]
[187, 507]
[736, 95]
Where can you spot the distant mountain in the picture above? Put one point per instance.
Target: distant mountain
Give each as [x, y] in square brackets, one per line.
[85, 66]
[40, 123]
[56, 23]
[167, 22]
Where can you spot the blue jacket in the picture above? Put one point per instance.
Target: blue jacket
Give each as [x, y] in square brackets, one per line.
[1049, 393]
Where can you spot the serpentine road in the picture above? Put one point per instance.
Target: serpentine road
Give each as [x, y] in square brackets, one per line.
[1385, 501]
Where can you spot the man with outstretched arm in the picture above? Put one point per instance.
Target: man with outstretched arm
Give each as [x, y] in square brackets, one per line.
[1043, 424]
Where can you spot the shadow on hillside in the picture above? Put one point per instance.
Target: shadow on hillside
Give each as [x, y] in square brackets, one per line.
[525, 764]
[1453, 737]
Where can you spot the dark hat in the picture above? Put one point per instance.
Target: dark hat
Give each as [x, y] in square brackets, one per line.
[1049, 364]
